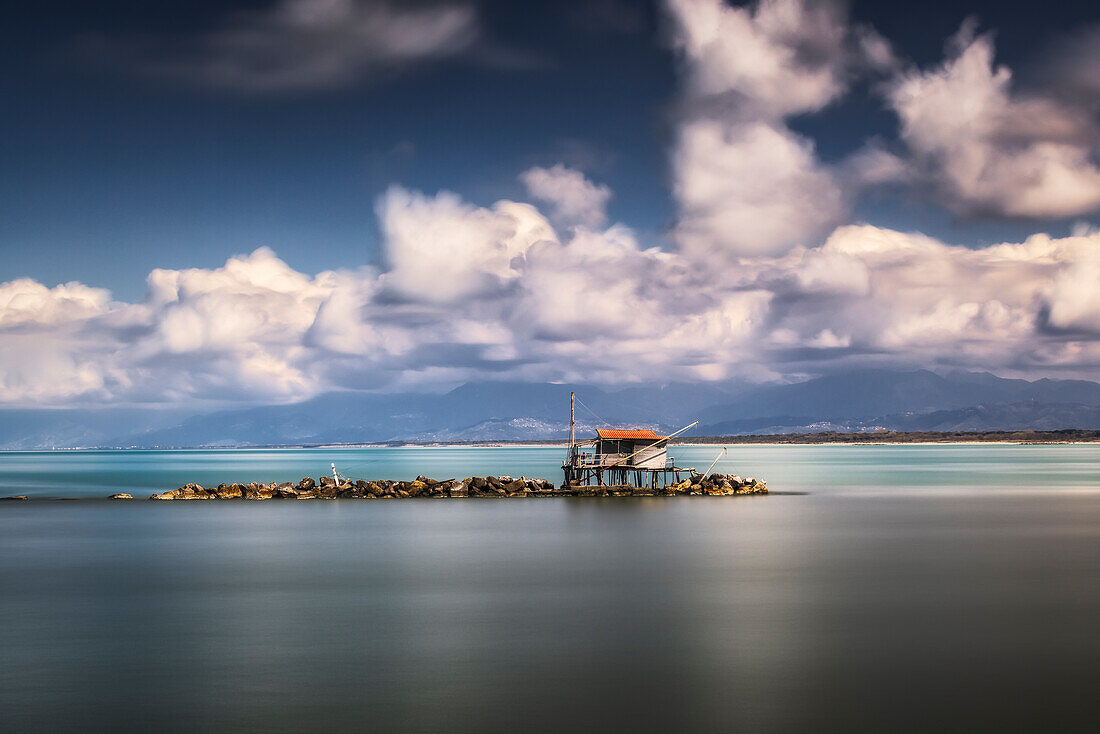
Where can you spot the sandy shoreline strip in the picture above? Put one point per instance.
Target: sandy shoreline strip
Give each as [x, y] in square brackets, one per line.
[521, 445]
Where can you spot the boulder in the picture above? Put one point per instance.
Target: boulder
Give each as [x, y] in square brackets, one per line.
[121, 496]
[256, 491]
[349, 489]
[306, 483]
[327, 482]
[186, 492]
[233, 491]
[458, 489]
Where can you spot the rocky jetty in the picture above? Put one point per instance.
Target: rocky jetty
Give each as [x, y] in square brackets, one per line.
[718, 485]
[490, 486]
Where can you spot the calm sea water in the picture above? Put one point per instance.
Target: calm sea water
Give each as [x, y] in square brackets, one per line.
[878, 588]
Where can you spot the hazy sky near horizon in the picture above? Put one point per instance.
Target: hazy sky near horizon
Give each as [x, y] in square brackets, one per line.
[260, 201]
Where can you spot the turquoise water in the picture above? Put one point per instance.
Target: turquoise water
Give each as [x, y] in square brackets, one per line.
[881, 588]
[920, 469]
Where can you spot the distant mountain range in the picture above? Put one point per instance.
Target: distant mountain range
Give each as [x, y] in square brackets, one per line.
[491, 411]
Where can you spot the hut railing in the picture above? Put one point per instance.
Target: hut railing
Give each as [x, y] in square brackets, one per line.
[587, 460]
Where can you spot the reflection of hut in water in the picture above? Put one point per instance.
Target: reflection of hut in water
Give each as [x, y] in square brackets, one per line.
[616, 456]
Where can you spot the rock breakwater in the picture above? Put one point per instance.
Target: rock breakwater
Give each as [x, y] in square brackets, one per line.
[489, 486]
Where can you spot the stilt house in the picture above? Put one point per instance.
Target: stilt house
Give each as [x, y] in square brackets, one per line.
[620, 456]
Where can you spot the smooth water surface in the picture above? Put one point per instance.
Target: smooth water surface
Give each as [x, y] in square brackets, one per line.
[880, 588]
[951, 469]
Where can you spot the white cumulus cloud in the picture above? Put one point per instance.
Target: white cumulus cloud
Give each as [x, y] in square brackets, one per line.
[573, 199]
[592, 304]
[989, 150]
[441, 249]
[27, 301]
[748, 189]
[779, 57]
[745, 183]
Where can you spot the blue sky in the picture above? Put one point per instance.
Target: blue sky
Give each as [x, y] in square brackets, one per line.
[109, 172]
[178, 135]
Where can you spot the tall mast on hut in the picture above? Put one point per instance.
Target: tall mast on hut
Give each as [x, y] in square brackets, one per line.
[572, 418]
[572, 426]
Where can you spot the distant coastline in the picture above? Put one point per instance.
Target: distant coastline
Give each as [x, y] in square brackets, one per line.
[902, 437]
[825, 437]
[1064, 436]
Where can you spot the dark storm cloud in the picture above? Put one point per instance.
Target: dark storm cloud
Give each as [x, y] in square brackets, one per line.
[303, 45]
[1070, 67]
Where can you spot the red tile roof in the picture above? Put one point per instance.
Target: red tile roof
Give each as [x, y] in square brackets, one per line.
[617, 434]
